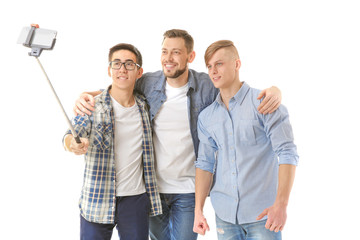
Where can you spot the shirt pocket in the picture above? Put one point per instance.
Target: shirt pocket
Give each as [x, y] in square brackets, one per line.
[246, 132]
[102, 135]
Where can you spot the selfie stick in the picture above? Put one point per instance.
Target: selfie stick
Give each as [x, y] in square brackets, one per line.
[35, 52]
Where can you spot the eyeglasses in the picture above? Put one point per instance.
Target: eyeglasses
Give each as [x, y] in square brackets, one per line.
[129, 65]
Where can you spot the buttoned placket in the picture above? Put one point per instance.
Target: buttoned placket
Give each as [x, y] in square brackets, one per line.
[229, 128]
[232, 148]
[113, 175]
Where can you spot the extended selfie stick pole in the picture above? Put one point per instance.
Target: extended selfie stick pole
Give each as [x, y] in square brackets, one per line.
[77, 139]
[36, 51]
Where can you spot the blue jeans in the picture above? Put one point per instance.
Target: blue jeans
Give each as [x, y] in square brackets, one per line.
[248, 231]
[131, 221]
[177, 220]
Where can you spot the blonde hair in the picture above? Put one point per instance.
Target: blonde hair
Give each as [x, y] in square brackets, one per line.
[210, 51]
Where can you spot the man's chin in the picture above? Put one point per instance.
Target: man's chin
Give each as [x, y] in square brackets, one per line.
[176, 74]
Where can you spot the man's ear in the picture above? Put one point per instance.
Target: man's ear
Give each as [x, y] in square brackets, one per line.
[237, 64]
[109, 71]
[191, 57]
[140, 73]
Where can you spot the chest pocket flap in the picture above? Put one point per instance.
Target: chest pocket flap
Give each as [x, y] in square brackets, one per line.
[102, 136]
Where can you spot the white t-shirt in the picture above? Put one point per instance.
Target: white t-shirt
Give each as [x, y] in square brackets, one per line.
[128, 150]
[174, 149]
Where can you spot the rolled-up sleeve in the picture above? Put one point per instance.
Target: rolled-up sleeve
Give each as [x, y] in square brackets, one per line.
[278, 129]
[81, 125]
[207, 149]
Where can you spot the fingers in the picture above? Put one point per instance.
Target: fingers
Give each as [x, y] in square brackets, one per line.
[90, 98]
[270, 106]
[261, 94]
[271, 102]
[273, 226]
[75, 111]
[201, 229]
[275, 222]
[266, 104]
[206, 226]
[274, 107]
[84, 105]
[277, 228]
[198, 228]
[79, 148]
[263, 214]
[201, 226]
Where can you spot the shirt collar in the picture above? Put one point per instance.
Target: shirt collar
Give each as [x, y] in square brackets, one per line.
[238, 97]
[191, 81]
[105, 99]
[160, 85]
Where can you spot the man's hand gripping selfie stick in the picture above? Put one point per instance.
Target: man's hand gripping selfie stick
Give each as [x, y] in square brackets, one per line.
[45, 40]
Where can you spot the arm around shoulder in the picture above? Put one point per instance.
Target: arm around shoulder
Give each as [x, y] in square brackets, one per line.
[85, 103]
[271, 101]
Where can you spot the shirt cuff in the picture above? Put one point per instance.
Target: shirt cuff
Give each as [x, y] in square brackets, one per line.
[206, 166]
[291, 160]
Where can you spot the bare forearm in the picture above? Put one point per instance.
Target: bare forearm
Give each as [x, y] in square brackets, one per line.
[203, 181]
[286, 180]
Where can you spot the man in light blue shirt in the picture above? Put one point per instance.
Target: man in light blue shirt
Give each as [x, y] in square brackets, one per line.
[246, 158]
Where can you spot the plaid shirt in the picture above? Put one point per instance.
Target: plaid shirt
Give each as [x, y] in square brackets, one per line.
[98, 197]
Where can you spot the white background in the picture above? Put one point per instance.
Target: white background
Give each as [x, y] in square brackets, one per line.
[309, 49]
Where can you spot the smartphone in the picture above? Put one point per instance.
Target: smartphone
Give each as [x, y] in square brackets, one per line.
[37, 38]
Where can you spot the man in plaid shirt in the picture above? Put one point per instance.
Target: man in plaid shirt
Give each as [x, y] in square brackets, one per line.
[119, 186]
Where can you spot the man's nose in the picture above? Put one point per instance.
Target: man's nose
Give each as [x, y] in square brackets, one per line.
[169, 57]
[121, 67]
[214, 70]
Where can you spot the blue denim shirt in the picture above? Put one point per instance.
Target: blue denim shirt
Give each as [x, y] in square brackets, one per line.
[243, 149]
[201, 94]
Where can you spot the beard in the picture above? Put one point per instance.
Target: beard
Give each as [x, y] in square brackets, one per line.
[176, 74]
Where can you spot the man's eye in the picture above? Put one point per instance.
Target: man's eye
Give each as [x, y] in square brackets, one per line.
[218, 64]
[129, 64]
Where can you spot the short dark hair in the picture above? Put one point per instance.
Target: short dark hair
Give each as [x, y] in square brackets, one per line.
[178, 33]
[129, 47]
